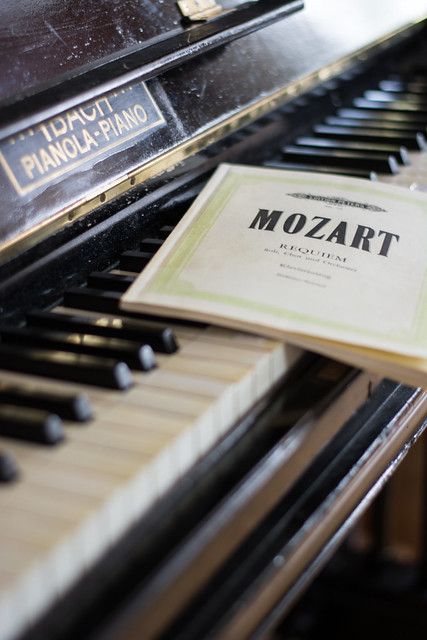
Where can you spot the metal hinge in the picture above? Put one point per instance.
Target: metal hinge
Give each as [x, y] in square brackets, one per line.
[196, 10]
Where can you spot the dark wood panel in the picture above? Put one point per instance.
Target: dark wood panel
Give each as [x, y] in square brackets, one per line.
[42, 40]
[88, 42]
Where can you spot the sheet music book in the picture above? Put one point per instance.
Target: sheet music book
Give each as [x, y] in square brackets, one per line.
[334, 264]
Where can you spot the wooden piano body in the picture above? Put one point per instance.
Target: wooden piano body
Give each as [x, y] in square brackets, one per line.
[202, 500]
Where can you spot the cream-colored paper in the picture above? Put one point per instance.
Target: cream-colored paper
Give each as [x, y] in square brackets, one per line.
[300, 257]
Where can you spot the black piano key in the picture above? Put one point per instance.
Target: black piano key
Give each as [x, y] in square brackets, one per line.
[418, 70]
[165, 231]
[8, 467]
[399, 128]
[160, 338]
[99, 372]
[415, 82]
[359, 134]
[134, 260]
[135, 356]
[392, 85]
[150, 245]
[32, 425]
[386, 116]
[399, 152]
[294, 166]
[92, 299]
[110, 281]
[67, 406]
[109, 302]
[381, 163]
[393, 107]
[412, 76]
[397, 86]
[403, 98]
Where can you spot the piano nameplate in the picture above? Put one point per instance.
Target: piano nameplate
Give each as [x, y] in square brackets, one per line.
[55, 147]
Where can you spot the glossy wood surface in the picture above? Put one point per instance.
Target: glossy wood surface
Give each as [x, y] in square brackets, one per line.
[40, 40]
[211, 89]
[44, 44]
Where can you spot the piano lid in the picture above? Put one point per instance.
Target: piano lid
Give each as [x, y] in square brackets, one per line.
[106, 141]
[58, 53]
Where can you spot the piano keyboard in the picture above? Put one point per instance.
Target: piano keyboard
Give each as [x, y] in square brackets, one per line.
[74, 500]
[107, 425]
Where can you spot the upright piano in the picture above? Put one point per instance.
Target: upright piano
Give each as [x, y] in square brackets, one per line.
[166, 479]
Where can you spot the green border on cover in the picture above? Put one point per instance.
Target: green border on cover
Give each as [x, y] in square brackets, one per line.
[168, 280]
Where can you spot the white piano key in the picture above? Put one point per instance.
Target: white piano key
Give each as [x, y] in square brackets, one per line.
[413, 176]
[28, 592]
[8, 624]
[11, 624]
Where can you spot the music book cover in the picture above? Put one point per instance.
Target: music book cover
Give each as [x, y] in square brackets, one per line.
[331, 263]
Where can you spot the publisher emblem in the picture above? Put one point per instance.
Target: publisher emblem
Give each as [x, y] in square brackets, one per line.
[337, 201]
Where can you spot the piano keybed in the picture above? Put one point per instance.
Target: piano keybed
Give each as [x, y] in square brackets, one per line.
[136, 409]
